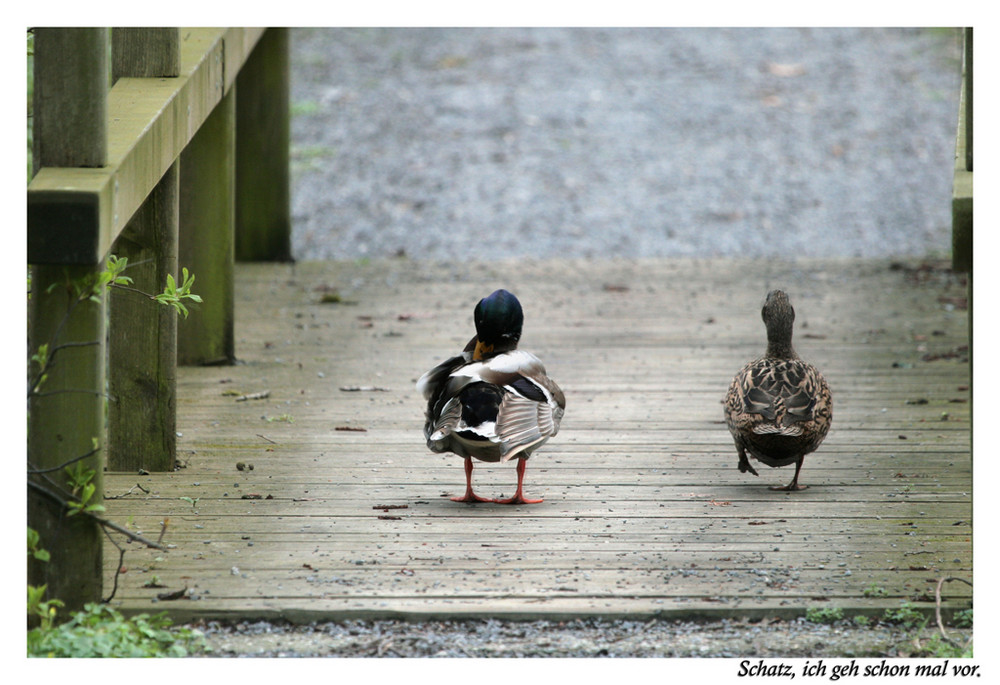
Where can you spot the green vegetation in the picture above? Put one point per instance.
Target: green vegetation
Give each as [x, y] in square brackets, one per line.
[98, 630]
[963, 619]
[905, 616]
[824, 614]
[938, 647]
[874, 590]
[101, 631]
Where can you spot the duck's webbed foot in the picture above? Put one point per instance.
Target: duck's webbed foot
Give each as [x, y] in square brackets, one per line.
[469, 495]
[518, 497]
[794, 485]
[745, 464]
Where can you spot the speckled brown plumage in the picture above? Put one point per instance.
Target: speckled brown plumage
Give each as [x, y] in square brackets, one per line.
[778, 407]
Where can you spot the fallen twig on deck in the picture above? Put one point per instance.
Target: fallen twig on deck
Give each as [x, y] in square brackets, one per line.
[254, 396]
[937, 600]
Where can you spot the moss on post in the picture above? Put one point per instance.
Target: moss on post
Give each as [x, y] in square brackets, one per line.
[67, 410]
[206, 238]
[142, 418]
[66, 417]
[263, 216]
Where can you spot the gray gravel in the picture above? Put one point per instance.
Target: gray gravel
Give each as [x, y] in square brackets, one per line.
[447, 143]
[581, 638]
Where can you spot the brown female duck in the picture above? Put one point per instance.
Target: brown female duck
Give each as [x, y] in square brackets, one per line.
[778, 407]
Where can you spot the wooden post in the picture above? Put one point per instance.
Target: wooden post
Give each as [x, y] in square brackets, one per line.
[142, 370]
[67, 413]
[263, 216]
[207, 186]
[142, 420]
[967, 41]
[961, 198]
[145, 53]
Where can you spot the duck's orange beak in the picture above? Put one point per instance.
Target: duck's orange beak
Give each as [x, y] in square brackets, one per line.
[481, 350]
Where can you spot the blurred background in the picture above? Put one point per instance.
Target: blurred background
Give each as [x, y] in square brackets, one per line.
[496, 143]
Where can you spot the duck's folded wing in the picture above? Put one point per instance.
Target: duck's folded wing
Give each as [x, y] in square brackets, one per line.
[523, 423]
[429, 383]
[438, 431]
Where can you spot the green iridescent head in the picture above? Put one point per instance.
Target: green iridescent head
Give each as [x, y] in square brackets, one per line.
[499, 319]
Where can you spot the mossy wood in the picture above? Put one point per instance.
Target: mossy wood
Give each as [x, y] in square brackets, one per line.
[263, 193]
[319, 500]
[145, 52]
[142, 368]
[67, 410]
[106, 178]
[74, 215]
[961, 201]
[206, 241]
[143, 346]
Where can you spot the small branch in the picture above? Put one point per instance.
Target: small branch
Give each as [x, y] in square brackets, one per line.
[65, 464]
[116, 286]
[66, 345]
[937, 599]
[103, 521]
[76, 390]
[50, 361]
[118, 568]
[128, 492]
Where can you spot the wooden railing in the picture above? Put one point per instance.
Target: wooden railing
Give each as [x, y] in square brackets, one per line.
[961, 201]
[181, 162]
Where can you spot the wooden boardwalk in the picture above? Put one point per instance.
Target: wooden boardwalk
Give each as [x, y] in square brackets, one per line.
[321, 500]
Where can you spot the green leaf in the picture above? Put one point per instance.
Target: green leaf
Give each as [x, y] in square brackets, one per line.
[42, 356]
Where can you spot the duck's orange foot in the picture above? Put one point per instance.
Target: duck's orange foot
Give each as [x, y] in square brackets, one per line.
[471, 498]
[469, 495]
[518, 499]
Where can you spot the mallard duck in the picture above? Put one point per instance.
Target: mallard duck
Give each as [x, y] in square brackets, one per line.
[778, 407]
[492, 402]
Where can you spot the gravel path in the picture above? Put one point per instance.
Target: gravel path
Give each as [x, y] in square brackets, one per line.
[582, 638]
[443, 143]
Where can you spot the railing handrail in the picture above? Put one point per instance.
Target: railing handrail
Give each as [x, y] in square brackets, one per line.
[75, 214]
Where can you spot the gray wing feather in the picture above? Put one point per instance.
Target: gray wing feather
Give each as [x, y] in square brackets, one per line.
[524, 423]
